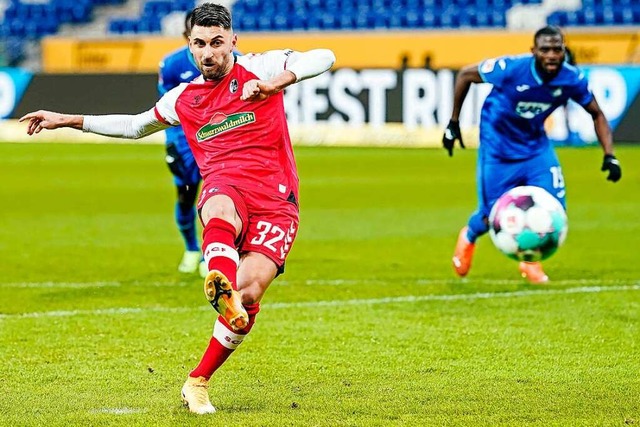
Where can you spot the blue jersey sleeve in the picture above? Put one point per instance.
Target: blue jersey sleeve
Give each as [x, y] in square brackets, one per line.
[581, 93]
[494, 70]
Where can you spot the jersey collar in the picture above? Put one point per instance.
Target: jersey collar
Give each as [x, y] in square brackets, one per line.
[534, 72]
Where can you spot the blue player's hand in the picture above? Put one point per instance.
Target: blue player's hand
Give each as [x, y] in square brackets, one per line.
[611, 164]
[451, 133]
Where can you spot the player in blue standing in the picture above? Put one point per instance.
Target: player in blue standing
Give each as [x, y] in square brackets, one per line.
[175, 68]
[514, 148]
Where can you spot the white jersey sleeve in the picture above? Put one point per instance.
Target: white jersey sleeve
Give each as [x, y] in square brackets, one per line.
[131, 126]
[166, 106]
[303, 64]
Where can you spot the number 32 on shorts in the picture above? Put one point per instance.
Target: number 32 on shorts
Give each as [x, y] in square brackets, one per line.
[274, 238]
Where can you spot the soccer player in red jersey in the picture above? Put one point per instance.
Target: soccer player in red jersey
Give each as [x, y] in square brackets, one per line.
[235, 123]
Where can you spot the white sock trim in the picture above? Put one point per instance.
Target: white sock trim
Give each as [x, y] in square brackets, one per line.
[220, 249]
[225, 337]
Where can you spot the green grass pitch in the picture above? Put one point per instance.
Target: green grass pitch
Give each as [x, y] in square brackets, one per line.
[368, 327]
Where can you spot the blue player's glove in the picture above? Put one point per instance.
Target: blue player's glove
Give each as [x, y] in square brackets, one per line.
[451, 133]
[611, 164]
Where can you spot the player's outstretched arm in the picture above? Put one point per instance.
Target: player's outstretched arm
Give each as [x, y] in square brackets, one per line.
[465, 77]
[605, 137]
[38, 120]
[116, 125]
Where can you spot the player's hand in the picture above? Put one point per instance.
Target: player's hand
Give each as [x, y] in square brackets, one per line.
[611, 164]
[256, 90]
[42, 119]
[451, 133]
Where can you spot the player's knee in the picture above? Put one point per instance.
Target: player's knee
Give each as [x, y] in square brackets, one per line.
[220, 206]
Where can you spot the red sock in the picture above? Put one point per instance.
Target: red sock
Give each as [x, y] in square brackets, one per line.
[218, 246]
[223, 343]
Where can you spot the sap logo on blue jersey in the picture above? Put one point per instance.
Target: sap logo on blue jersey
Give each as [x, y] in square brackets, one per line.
[185, 75]
[528, 110]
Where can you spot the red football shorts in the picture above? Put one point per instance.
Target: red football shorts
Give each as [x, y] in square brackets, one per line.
[269, 224]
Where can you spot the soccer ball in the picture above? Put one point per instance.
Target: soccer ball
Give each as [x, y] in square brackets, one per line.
[528, 224]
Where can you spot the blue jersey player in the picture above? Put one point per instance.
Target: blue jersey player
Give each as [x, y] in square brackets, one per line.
[514, 148]
[178, 67]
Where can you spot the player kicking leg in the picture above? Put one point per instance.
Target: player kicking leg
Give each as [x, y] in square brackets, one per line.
[463, 254]
[255, 274]
[466, 244]
[261, 261]
[225, 300]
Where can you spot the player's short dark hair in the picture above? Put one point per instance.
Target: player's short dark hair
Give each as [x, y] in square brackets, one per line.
[211, 15]
[549, 30]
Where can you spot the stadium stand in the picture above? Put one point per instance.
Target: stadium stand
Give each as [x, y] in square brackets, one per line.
[310, 15]
[37, 18]
[29, 20]
[153, 11]
[33, 19]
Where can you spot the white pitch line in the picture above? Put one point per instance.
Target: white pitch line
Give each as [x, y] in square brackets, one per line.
[119, 411]
[333, 303]
[315, 282]
[461, 297]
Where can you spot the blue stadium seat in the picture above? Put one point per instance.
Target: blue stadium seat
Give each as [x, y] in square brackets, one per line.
[328, 21]
[559, 18]
[413, 19]
[346, 22]
[431, 18]
[157, 7]
[624, 15]
[246, 22]
[467, 18]
[483, 19]
[265, 23]
[123, 26]
[281, 22]
[575, 18]
[450, 18]
[312, 22]
[590, 17]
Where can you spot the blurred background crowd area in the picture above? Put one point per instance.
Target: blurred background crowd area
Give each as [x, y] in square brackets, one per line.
[25, 24]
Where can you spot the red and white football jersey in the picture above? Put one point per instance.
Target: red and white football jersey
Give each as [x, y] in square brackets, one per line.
[234, 142]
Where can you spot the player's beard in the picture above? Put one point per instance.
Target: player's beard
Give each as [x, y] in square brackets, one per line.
[547, 73]
[216, 71]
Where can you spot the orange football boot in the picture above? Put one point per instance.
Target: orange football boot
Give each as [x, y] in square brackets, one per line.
[225, 300]
[533, 272]
[463, 254]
